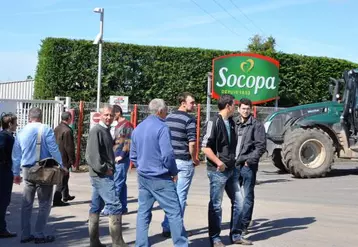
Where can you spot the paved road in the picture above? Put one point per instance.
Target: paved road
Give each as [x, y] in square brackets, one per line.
[288, 212]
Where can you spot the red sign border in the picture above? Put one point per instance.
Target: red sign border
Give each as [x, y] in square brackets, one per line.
[94, 115]
[269, 59]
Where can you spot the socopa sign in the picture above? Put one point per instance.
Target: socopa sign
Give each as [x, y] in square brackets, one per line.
[246, 75]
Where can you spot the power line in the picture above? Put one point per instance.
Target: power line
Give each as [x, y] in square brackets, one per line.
[223, 24]
[252, 22]
[222, 7]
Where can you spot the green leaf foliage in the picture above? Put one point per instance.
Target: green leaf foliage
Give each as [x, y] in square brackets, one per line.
[69, 68]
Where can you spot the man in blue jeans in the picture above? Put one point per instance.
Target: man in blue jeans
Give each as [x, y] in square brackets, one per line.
[182, 127]
[100, 158]
[152, 153]
[122, 142]
[219, 144]
[121, 131]
[251, 145]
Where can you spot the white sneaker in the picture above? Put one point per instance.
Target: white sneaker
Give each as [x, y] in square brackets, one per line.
[8, 212]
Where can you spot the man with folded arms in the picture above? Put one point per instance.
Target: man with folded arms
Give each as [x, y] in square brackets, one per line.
[182, 127]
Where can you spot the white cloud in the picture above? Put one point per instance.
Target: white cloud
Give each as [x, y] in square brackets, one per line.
[15, 66]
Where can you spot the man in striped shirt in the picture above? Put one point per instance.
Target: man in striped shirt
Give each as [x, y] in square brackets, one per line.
[182, 127]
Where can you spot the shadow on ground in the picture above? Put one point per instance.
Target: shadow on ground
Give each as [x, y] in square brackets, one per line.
[272, 181]
[262, 230]
[340, 172]
[273, 228]
[68, 230]
[136, 211]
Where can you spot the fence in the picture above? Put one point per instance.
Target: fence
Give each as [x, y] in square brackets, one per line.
[51, 110]
[139, 113]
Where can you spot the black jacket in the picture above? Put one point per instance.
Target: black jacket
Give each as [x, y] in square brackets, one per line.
[215, 137]
[253, 143]
[6, 143]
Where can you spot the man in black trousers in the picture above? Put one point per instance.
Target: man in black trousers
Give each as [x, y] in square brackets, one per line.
[65, 142]
[8, 124]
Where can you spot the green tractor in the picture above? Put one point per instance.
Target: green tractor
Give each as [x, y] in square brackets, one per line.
[304, 140]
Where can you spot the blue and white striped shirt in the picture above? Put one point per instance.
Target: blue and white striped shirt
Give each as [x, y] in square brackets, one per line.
[182, 130]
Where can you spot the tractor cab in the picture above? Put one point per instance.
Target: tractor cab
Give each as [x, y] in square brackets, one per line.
[335, 89]
[349, 117]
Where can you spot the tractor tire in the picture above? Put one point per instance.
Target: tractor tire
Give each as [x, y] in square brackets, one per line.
[308, 153]
[277, 161]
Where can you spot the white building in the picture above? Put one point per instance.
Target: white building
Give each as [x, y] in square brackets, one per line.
[23, 90]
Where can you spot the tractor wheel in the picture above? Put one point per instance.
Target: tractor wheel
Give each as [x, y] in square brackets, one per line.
[277, 161]
[308, 153]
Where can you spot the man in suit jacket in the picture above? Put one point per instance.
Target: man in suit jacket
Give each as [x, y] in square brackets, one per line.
[65, 141]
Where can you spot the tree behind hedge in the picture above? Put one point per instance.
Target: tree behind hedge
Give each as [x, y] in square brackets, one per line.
[69, 68]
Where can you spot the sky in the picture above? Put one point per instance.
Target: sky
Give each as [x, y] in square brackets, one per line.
[310, 27]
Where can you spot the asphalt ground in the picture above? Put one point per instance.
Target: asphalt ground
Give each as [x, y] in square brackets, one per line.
[288, 212]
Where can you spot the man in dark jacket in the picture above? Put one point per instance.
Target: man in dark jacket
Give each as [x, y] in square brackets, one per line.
[8, 124]
[100, 159]
[65, 142]
[219, 144]
[251, 145]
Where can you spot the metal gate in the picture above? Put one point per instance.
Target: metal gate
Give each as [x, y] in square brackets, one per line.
[51, 110]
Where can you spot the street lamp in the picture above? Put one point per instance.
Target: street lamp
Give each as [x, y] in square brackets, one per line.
[99, 41]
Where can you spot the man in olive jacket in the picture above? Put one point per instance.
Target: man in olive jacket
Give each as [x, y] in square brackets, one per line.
[65, 142]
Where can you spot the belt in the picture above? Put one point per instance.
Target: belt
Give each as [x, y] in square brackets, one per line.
[27, 166]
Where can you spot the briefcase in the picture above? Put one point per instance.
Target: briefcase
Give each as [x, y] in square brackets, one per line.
[46, 172]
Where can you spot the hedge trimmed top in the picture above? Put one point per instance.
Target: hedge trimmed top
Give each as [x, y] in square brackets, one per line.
[69, 68]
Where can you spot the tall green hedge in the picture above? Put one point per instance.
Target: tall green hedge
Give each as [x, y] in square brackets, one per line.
[69, 68]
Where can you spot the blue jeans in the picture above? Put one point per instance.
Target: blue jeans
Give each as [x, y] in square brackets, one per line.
[104, 193]
[185, 176]
[120, 180]
[220, 181]
[247, 180]
[162, 191]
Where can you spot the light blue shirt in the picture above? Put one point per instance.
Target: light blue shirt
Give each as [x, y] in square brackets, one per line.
[24, 150]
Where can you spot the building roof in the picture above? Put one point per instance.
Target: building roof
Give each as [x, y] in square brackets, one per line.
[17, 90]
